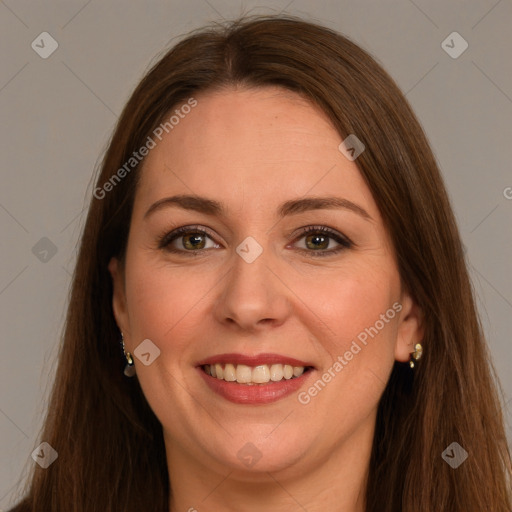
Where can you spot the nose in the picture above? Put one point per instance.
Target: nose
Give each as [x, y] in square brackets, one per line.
[253, 295]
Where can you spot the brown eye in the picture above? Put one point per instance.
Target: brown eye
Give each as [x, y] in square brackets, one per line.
[318, 239]
[187, 239]
[193, 241]
[317, 242]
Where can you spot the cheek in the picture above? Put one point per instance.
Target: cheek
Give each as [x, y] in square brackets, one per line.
[165, 305]
[163, 299]
[360, 353]
[352, 304]
[362, 311]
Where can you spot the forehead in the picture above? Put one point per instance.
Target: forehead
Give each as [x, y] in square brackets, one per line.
[267, 144]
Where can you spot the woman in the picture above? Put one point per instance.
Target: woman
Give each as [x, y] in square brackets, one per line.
[271, 256]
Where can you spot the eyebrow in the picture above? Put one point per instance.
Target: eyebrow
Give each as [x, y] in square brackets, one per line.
[291, 207]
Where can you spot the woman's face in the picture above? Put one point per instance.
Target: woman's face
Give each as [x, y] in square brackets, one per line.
[255, 294]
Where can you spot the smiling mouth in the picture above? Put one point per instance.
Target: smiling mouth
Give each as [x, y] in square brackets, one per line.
[253, 375]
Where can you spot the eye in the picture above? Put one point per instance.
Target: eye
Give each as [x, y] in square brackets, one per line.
[191, 239]
[318, 239]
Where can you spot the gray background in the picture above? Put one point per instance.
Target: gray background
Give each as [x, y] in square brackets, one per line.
[57, 114]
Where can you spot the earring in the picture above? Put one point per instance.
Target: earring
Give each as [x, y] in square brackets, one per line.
[416, 355]
[129, 369]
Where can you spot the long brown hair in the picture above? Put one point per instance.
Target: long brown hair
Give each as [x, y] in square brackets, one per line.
[111, 454]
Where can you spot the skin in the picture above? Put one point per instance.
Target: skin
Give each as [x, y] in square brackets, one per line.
[253, 149]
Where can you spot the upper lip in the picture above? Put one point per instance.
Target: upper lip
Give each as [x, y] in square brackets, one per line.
[255, 360]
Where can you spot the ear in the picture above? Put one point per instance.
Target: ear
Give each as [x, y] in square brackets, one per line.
[118, 297]
[411, 328]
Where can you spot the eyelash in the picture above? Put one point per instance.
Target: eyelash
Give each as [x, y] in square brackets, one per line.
[165, 240]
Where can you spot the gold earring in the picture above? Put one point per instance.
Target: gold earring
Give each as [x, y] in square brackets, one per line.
[416, 355]
[129, 369]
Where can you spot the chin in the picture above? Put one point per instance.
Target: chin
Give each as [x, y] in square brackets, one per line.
[250, 455]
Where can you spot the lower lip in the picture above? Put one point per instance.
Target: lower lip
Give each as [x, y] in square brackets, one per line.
[257, 393]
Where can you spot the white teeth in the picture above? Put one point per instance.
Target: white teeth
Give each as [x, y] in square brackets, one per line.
[243, 374]
[261, 374]
[276, 372]
[229, 373]
[298, 371]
